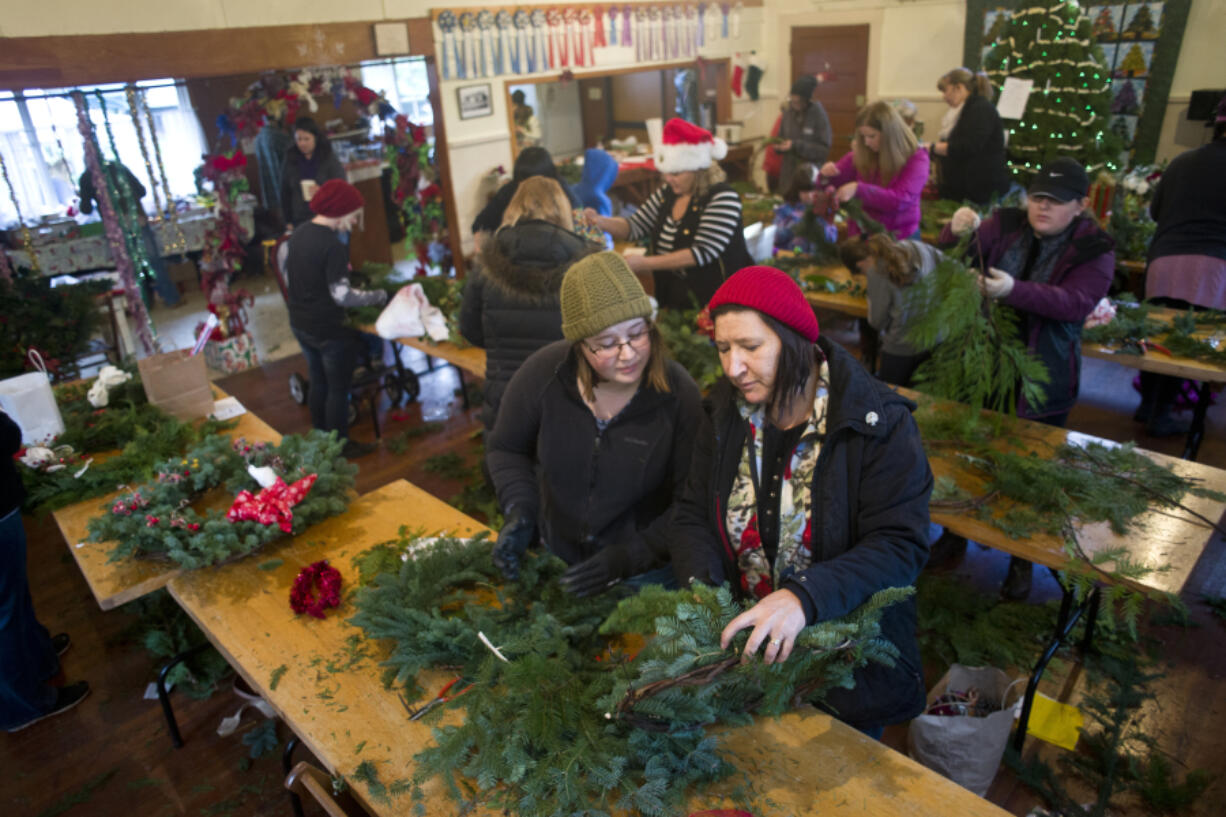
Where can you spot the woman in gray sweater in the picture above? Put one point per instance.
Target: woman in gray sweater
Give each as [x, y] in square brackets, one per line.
[891, 267]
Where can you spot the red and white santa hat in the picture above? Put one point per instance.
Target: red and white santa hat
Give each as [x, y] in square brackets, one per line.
[687, 147]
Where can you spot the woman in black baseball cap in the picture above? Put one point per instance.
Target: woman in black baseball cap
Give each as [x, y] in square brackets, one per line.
[1052, 263]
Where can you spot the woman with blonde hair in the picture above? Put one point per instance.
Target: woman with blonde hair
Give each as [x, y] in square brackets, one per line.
[970, 150]
[510, 305]
[886, 170]
[892, 267]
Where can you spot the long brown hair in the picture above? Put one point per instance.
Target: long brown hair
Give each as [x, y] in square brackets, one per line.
[655, 374]
[898, 261]
[977, 83]
[897, 144]
[541, 198]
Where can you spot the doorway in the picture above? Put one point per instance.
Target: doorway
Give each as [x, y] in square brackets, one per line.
[841, 54]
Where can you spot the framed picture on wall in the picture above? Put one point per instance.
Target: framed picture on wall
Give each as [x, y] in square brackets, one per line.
[475, 101]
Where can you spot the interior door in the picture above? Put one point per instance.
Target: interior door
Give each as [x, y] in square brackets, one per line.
[840, 53]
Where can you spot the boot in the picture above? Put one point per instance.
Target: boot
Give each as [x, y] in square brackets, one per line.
[1017, 580]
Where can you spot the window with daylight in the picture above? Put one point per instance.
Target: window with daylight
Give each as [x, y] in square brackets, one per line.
[406, 86]
[45, 159]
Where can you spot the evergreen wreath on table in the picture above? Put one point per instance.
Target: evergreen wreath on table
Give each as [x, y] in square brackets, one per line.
[583, 706]
[157, 520]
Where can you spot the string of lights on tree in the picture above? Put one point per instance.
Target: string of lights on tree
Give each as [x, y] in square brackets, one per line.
[1052, 43]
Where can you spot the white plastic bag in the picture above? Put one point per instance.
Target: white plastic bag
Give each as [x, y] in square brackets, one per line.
[410, 315]
[760, 241]
[28, 399]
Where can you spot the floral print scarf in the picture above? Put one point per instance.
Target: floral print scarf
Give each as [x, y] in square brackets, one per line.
[794, 553]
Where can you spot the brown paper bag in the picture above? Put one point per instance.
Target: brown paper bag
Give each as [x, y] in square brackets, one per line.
[177, 383]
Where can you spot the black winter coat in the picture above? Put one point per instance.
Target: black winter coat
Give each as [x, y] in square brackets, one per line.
[588, 488]
[511, 305]
[869, 526]
[973, 168]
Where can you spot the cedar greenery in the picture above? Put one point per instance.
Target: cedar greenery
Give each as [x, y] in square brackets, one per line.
[57, 321]
[163, 524]
[978, 356]
[689, 347]
[574, 721]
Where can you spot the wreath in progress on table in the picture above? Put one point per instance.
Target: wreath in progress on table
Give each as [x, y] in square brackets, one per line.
[274, 491]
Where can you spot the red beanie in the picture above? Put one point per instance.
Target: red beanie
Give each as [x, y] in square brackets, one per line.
[771, 292]
[336, 198]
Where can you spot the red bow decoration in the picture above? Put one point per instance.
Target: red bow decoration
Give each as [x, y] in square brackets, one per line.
[272, 504]
[223, 163]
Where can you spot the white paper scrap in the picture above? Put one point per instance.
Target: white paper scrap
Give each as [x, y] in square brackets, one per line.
[1013, 98]
[227, 407]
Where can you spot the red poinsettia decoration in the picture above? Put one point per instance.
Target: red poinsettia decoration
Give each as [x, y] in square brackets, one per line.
[302, 597]
[272, 505]
[705, 325]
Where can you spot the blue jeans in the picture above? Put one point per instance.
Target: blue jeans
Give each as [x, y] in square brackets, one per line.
[27, 659]
[330, 364]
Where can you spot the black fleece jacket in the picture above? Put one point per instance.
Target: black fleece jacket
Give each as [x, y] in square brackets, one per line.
[869, 526]
[587, 488]
[511, 305]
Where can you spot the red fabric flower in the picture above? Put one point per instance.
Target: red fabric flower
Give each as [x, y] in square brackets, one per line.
[705, 325]
[750, 538]
[302, 596]
[430, 191]
[365, 95]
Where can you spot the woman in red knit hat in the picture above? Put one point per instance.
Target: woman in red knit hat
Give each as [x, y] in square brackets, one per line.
[319, 292]
[808, 491]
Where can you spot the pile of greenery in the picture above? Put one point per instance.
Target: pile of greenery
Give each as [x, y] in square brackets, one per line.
[560, 717]
[57, 321]
[1183, 336]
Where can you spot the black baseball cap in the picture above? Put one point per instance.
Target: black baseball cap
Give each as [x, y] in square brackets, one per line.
[1062, 179]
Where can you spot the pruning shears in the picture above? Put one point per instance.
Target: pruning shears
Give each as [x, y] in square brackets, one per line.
[1146, 345]
[441, 698]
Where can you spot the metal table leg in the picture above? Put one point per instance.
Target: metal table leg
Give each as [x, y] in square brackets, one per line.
[164, 695]
[1197, 432]
[1070, 613]
[287, 763]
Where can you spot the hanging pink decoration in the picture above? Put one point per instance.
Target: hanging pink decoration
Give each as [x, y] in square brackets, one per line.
[110, 222]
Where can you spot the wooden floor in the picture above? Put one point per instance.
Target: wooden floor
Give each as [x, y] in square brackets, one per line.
[111, 756]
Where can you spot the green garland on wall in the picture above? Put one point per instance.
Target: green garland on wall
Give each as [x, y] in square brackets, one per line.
[1161, 69]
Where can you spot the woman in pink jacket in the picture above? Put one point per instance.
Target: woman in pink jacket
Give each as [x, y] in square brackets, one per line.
[885, 170]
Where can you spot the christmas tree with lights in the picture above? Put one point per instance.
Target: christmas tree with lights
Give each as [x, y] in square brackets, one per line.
[1053, 44]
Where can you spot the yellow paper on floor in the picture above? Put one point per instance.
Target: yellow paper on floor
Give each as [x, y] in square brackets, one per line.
[1055, 722]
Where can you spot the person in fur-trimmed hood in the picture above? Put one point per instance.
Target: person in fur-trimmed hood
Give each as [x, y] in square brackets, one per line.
[511, 306]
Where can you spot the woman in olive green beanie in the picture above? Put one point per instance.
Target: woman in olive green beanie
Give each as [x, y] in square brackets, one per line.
[593, 436]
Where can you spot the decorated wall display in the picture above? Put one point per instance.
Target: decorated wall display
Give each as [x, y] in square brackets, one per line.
[1139, 45]
[492, 42]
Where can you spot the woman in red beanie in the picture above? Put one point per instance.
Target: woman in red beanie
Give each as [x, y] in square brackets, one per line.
[808, 491]
[319, 292]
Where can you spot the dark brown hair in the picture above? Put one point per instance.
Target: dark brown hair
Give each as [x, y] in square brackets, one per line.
[898, 261]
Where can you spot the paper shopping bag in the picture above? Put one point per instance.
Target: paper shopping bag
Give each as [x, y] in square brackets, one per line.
[177, 383]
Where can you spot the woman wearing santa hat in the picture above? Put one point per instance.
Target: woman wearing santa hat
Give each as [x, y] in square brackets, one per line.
[808, 491]
[319, 291]
[692, 223]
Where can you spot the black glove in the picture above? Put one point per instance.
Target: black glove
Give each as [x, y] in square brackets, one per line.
[598, 573]
[513, 540]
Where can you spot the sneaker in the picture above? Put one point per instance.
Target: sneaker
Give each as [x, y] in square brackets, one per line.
[61, 643]
[354, 450]
[65, 698]
[1017, 580]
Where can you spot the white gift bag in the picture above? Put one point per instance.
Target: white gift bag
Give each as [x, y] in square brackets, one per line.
[28, 399]
[410, 315]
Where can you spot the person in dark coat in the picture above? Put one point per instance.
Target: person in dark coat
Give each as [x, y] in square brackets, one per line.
[511, 305]
[808, 491]
[594, 436]
[972, 158]
[319, 292]
[804, 130]
[532, 161]
[311, 160]
[1187, 257]
[125, 183]
[1053, 264]
[692, 223]
[29, 656]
